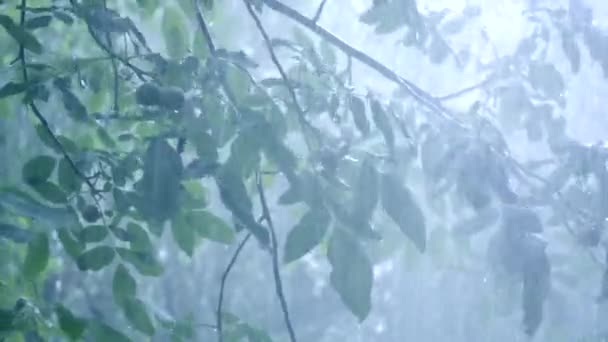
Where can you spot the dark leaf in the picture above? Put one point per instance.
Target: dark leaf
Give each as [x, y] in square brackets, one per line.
[352, 274]
[235, 198]
[71, 325]
[38, 169]
[50, 192]
[67, 177]
[138, 238]
[184, 233]
[76, 110]
[123, 284]
[144, 262]
[96, 258]
[401, 207]
[366, 191]
[14, 233]
[38, 22]
[357, 108]
[22, 36]
[382, 122]
[306, 234]
[71, 245]
[64, 17]
[37, 257]
[521, 219]
[92, 234]
[136, 313]
[12, 88]
[161, 181]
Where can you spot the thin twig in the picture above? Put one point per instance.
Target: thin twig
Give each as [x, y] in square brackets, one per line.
[290, 89]
[213, 50]
[423, 97]
[467, 89]
[42, 119]
[319, 11]
[235, 256]
[275, 258]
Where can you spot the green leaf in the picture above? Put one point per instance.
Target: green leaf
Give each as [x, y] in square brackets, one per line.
[136, 313]
[22, 36]
[184, 233]
[71, 325]
[67, 177]
[91, 234]
[401, 207]
[14, 233]
[174, 32]
[50, 192]
[96, 258]
[75, 109]
[307, 234]
[102, 332]
[138, 238]
[238, 81]
[23, 204]
[124, 285]
[12, 88]
[37, 257]
[357, 108]
[71, 245]
[212, 227]
[235, 198]
[382, 122]
[366, 191]
[38, 169]
[161, 182]
[144, 262]
[352, 274]
[38, 22]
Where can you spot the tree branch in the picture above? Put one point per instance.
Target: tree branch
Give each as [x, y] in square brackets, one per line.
[319, 11]
[423, 97]
[42, 119]
[213, 50]
[275, 258]
[290, 89]
[218, 314]
[467, 89]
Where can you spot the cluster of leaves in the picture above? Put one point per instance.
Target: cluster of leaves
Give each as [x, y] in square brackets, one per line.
[194, 116]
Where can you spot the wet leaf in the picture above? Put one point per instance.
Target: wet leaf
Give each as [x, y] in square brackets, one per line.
[14, 233]
[137, 314]
[161, 182]
[124, 285]
[357, 108]
[96, 258]
[71, 325]
[92, 234]
[22, 36]
[174, 32]
[351, 275]
[102, 332]
[212, 227]
[401, 207]
[306, 234]
[382, 122]
[38, 169]
[67, 177]
[13, 88]
[37, 257]
[144, 262]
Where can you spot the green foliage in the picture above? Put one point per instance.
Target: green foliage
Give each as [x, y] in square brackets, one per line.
[37, 257]
[351, 275]
[165, 138]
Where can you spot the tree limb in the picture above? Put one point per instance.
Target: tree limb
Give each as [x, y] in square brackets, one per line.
[275, 258]
[319, 11]
[288, 85]
[419, 95]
